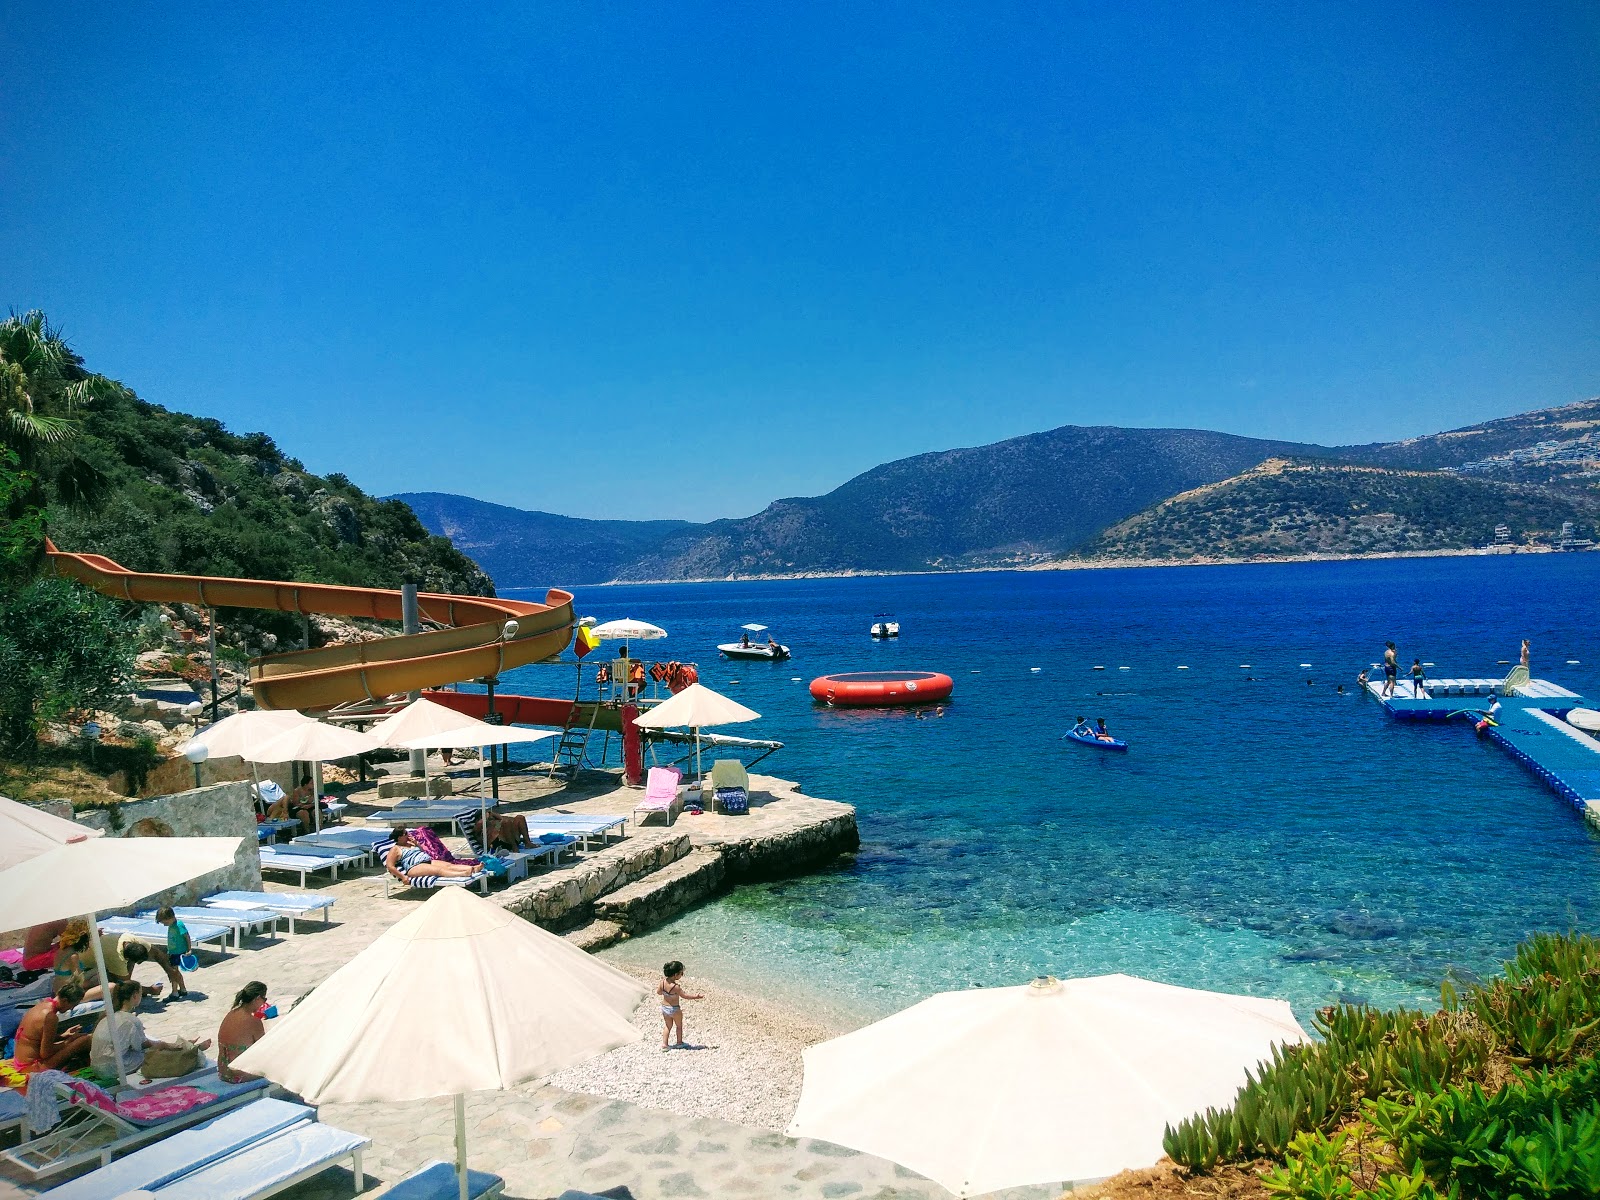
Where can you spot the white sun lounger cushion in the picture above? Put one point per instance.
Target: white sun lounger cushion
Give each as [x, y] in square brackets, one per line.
[267, 1167]
[279, 900]
[182, 1153]
[437, 1180]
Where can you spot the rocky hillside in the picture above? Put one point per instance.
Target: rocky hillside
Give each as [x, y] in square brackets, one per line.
[172, 492]
[1006, 504]
[1299, 507]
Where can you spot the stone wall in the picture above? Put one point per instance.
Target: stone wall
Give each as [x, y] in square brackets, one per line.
[220, 810]
[567, 899]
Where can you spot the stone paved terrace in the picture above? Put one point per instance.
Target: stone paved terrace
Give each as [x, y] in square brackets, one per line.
[540, 1138]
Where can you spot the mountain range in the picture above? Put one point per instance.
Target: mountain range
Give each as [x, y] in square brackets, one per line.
[1085, 494]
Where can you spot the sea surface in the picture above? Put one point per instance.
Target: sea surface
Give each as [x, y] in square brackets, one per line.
[1265, 834]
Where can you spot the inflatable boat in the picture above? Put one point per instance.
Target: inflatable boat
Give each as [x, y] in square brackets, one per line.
[867, 689]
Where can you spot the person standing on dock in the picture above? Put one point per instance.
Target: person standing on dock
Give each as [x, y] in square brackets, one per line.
[1391, 668]
[1416, 678]
[1524, 654]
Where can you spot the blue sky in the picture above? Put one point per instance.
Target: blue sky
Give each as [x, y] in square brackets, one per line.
[678, 260]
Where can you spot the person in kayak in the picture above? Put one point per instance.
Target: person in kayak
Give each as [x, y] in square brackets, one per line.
[1081, 729]
[1101, 731]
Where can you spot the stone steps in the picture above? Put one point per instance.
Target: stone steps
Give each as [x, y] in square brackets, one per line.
[566, 898]
[664, 893]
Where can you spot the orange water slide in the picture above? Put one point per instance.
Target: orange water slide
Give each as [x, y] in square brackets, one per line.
[469, 644]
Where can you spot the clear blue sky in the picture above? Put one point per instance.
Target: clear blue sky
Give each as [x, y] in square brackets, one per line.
[765, 247]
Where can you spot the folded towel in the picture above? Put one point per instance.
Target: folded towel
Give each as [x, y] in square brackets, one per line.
[44, 1103]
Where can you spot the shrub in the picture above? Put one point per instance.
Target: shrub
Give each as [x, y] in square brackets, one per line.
[1545, 1009]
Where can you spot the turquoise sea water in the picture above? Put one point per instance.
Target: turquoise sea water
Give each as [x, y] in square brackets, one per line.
[1264, 835]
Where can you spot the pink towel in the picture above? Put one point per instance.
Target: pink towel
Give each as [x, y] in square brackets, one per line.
[428, 842]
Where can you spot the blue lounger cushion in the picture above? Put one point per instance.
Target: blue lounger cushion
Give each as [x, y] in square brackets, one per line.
[178, 1155]
[278, 900]
[267, 1166]
[437, 1180]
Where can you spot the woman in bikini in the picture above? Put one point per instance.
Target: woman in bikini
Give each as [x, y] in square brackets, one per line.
[41, 1042]
[242, 1027]
[407, 861]
[70, 946]
[672, 997]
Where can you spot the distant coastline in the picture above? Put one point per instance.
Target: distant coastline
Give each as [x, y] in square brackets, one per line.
[1069, 564]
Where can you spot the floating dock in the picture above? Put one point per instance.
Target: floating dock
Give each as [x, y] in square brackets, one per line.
[1529, 726]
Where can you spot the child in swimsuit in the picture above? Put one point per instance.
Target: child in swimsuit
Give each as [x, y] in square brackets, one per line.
[672, 997]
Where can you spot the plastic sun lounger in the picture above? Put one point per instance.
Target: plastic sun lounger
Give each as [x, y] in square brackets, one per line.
[348, 838]
[291, 905]
[87, 1134]
[660, 796]
[425, 814]
[481, 878]
[240, 920]
[183, 1153]
[437, 1180]
[271, 1165]
[347, 855]
[267, 831]
[517, 860]
[304, 864]
[13, 1111]
[587, 828]
[152, 934]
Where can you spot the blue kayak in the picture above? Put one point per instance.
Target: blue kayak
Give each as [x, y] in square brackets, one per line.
[1089, 739]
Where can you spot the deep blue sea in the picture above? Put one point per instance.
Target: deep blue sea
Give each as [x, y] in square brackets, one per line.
[1265, 834]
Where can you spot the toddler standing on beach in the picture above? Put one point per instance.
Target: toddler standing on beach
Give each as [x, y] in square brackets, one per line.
[178, 945]
[672, 998]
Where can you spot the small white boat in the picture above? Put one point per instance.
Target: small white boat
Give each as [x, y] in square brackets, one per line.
[745, 647]
[885, 626]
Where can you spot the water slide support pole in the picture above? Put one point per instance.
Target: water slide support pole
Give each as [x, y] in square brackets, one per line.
[411, 622]
[211, 622]
[494, 761]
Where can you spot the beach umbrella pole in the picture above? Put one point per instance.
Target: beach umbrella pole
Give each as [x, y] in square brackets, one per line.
[316, 797]
[461, 1143]
[110, 1016]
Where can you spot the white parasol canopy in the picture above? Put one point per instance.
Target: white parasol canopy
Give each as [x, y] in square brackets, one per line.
[419, 719]
[1007, 1087]
[461, 996]
[1587, 719]
[315, 743]
[628, 630]
[244, 732]
[83, 878]
[27, 832]
[754, 628]
[696, 706]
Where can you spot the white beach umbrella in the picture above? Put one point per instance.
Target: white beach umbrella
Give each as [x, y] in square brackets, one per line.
[27, 832]
[461, 996]
[242, 734]
[1007, 1087]
[316, 743]
[696, 707]
[480, 734]
[82, 878]
[628, 630]
[419, 719]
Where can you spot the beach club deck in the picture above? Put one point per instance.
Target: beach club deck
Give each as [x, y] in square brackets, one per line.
[1529, 727]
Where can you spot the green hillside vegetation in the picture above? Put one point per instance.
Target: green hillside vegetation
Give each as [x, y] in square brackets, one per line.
[1288, 507]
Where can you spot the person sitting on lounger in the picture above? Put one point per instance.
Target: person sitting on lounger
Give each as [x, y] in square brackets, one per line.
[41, 1042]
[299, 805]
[407, 861]
[244, 1025]
[508, 830]
[132, 1043]
[70, 946]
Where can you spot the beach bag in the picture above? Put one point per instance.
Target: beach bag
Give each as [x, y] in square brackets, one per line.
[733, 800]
[169, 1064]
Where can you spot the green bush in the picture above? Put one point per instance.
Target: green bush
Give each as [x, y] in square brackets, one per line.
[1545, 1009]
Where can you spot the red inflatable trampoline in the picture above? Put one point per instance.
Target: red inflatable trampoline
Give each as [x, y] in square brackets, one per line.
[872, 688]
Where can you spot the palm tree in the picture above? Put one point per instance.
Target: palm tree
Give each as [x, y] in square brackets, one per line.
[41, 382]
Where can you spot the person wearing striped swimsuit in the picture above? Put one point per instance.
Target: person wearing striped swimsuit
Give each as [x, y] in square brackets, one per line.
[407, 861]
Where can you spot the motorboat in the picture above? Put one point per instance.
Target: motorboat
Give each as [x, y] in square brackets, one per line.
[885, 626]
[747, 648]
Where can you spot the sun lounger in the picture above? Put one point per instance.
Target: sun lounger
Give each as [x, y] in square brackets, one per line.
[660, 796]
[347, 838]
[291, 905]
[481, 878]
[186, 1152]
[152, 934]
[730, 786]
[268, 831]
[426, 814]
[347, 855]
[13, 1111]
[438, 1180]
[518, 860]
[303, 864]
[88, 1133]
[584, 827]
[272, 1165]
[240, 920]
